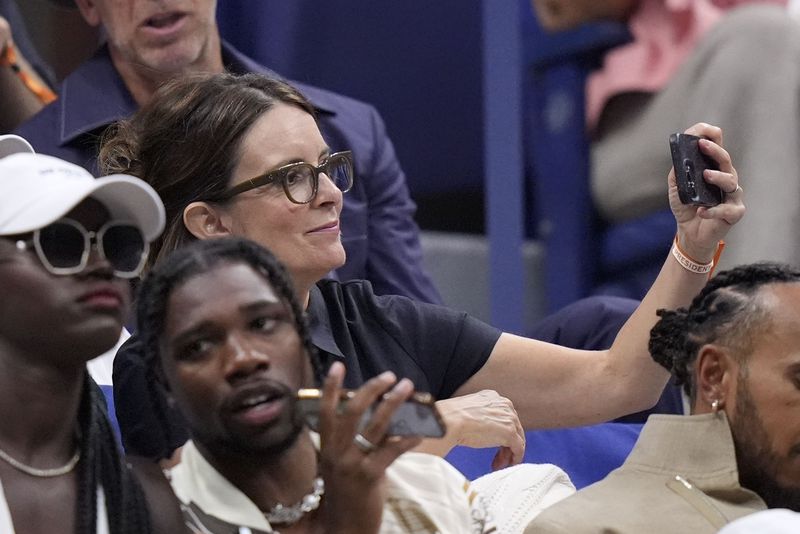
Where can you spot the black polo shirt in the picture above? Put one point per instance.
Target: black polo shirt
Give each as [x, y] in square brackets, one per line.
[436, 347]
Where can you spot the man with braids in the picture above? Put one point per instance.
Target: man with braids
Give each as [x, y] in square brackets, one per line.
[735, 349]
[221, 324]
[67, 243]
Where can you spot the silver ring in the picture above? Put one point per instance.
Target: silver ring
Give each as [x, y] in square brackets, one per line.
[365, 445]
[738, 188]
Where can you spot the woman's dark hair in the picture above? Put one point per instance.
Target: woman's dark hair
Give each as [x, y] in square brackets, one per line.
[185, 142]
[102, 465]
[727, 310]
[196, 258]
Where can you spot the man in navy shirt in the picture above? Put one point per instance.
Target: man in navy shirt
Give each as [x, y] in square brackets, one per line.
[151, 42]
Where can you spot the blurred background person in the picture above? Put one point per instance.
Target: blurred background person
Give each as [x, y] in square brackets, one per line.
[41, 41]
[733, 63]
[22, 89]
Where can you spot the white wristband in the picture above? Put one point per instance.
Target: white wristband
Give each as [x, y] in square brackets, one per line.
[689, 264]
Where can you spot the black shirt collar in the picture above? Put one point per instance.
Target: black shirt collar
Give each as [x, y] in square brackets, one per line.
[320, 326]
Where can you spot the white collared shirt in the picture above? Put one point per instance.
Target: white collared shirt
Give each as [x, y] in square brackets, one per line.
[425, 495]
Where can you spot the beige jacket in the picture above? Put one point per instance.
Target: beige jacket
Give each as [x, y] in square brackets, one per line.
[680, 477]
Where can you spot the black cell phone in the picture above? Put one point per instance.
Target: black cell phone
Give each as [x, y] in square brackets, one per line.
[689, 164]
[417, 416]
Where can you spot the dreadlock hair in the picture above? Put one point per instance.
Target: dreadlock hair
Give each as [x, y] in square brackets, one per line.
[727, 310]
[102, 465]
[199, 257]
[186, 141]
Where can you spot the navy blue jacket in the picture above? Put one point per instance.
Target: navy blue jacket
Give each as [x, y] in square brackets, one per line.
[378, 230]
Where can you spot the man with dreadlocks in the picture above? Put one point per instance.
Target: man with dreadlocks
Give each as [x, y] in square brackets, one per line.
[67, 243]
[222, 325]
[735, 349]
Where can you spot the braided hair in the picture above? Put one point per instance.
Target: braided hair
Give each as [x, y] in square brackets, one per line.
[196, 258]
[102, 465]
[727, 310]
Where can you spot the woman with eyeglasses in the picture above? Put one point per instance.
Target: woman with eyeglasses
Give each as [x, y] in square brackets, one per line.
[244, 156]
[68, 244]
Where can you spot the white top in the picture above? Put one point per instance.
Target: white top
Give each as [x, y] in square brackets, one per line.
[425, 494]
[102, 367]
[775, 521]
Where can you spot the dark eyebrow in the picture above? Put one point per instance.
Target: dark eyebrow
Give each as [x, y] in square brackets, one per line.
[202, 327]
[262, 305]
[281, 165]
[189, 334]
[324, 154]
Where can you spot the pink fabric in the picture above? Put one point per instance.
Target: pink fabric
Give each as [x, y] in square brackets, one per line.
[727, 4]
[664, 33]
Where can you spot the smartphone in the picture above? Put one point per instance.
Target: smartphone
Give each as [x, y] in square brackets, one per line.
[689, 164]
[417, 416]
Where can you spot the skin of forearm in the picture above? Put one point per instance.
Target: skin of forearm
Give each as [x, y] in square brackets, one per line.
[19, 103]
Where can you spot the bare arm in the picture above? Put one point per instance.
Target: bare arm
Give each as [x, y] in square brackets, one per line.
[554, 386]
[19, 103]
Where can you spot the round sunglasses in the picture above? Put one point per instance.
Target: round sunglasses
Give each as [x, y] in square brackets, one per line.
[64, 247]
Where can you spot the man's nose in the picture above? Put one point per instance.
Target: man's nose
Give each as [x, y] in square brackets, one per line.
[244, 358]
[97, 264]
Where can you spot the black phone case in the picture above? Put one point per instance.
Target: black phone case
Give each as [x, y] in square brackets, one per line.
[417, 416]
[689, 164]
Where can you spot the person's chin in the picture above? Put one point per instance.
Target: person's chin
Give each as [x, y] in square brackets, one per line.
[97, 339]
[173, 58]
[274, 440]
[339, 260]
[332, 258]
[98, 322]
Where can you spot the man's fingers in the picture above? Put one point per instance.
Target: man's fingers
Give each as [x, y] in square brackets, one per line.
[376, 427]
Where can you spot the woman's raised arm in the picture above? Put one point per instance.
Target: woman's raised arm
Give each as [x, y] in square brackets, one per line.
[554, 386]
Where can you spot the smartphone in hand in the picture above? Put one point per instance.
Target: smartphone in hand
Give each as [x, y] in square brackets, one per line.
[689, 163]
[417, 416]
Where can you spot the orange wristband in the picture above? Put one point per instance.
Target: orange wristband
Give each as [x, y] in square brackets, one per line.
[9, 59]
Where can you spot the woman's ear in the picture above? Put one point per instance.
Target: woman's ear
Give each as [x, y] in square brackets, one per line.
[205, 221]
[716, 378]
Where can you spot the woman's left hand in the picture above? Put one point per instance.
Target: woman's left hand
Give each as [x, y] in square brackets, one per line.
[480, 420]
[699, 228]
